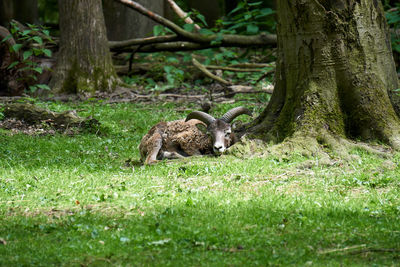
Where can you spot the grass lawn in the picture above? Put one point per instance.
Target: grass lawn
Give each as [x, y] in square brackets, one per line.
[74, 201]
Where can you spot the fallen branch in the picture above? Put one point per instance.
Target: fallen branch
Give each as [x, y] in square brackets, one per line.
[253, 65]
[242, 89]
[182, 14]
[345, 249]
[208, 73]
[10, 99]
[174, 46]
[359, 249]
[161, 20]
[217, 97]
[383, 250]
[202, 41]
[213, 67]
[114, 45]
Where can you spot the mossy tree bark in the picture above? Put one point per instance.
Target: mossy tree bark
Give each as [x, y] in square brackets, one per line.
[84, 62]
[335, 77]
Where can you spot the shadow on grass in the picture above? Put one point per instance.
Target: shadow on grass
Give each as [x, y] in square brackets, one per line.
[202, 234]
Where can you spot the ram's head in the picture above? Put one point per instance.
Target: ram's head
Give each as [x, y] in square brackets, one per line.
[220, 130]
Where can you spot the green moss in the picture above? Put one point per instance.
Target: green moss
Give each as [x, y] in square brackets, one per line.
[79, 81]
[70, 83]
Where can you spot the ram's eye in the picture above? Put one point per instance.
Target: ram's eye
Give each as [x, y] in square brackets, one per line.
[227, 134]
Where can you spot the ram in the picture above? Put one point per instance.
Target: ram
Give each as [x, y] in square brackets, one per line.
[199, 134]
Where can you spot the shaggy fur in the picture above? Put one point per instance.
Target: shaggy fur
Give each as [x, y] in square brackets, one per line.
[174, 139]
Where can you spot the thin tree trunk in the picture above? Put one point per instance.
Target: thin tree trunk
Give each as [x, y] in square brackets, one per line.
[120, 20]
[84, 63]
[335, 72]
[26, 11]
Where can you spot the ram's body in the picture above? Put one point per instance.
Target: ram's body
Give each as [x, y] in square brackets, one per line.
[180, 137]
[199, 134]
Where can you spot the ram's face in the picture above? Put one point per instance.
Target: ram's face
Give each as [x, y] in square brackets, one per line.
[220, 133]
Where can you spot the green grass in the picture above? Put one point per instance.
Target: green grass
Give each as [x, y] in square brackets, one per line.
[73, 201]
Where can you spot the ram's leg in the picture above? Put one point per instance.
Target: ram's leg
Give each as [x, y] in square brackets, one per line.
[155, 148]
[171, 155]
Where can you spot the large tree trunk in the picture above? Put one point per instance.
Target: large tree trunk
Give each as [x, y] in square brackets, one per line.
[121, 20]
[334, 78]
[84, 62]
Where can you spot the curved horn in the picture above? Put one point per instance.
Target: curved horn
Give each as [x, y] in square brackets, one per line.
[233, 113]
[201, 116]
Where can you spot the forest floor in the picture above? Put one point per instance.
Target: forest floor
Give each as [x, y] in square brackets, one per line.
[84, 199]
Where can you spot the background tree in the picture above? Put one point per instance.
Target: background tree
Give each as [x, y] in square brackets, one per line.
[84, 62]
[334, 78]
[211, 9]
[120, 20]
[21, 10]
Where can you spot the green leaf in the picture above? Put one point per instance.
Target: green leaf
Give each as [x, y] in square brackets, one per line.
[38, 39]
[266, 11]
[33, 77]
[188, 27]
[158, 30]
[32, 88]
[150, 81]
[255, 4]
[14, 30]
[8, 37]
[15, 48]
[12, 65]
[172, 60]
[396, 47]
[27, 54]
[202, 19]
[252, 29]
[239, 7]
[218, 39]
[38, 69]
[37, 51]
[247, 16]
[46, 32]
[168, 69]
[43, 86]
[206, 31]
[47, 52]
[26, 32]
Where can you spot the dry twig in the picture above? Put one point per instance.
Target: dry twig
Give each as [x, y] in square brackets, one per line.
[208, 73]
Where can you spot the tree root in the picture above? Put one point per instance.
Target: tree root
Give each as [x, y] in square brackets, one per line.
[322, 145]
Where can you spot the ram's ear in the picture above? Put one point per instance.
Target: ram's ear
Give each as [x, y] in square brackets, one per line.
[201, 127]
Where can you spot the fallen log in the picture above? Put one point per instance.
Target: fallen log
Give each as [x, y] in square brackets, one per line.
[32, 114]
